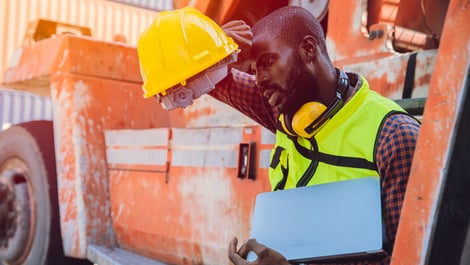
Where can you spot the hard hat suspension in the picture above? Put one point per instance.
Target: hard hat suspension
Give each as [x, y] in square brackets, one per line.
[183, 94]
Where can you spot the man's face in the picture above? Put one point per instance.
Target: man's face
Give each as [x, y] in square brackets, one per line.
[282, 74]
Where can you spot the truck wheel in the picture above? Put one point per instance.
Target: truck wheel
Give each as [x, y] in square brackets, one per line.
[29, 219]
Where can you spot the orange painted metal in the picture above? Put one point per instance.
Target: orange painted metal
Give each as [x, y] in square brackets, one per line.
[347, 37]
[105, 19]
[188, 214]
[387, 75]
[429, 163]
[376, 58]
[94, 86]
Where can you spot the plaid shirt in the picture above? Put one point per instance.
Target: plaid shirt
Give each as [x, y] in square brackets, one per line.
[395, 144]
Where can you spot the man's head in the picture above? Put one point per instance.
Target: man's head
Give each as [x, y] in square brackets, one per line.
[290, 59]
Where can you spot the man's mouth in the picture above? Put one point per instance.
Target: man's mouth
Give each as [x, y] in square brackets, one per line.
[281, 99]
[275, 97]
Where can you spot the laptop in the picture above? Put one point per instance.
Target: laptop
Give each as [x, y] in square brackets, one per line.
[326, 222]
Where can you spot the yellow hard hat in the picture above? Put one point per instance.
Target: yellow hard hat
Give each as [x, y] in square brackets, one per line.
[178, 45]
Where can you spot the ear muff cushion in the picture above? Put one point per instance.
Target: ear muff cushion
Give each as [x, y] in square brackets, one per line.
[286, 125]
[304, 117]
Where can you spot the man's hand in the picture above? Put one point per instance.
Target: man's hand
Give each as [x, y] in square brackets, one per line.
[266, 256]
[241, 33]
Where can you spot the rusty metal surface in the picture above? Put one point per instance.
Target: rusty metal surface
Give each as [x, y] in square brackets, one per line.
[385, 69]
[387, 75]
[36, 63]
[116, 256]
[188, 214]
[88, 96]
[84, 107]
[347, 39]
[430, 160]
[95, 86]
[101, 92]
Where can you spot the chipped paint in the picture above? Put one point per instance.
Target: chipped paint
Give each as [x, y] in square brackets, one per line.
[189, 217]
[80, 92]
[211, 225]
[442, 107]
[348, 29]
[63, 60]
[387, 75]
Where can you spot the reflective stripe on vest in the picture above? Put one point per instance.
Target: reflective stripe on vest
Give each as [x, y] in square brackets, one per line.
[343, 149]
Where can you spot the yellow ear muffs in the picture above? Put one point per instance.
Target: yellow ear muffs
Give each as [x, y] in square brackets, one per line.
[303, 118]
[313, 115]
[304, 121]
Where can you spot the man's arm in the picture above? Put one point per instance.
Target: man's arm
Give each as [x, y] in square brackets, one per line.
[239, 91]
[241, 33]
[395, 149]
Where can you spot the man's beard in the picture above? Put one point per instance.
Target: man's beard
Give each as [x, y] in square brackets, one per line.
[302, 85]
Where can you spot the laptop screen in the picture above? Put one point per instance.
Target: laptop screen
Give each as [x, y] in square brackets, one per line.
[321, 222]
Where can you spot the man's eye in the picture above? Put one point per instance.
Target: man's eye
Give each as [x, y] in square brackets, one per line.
[267, 62]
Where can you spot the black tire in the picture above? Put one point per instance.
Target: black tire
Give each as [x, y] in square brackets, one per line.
[27, 165]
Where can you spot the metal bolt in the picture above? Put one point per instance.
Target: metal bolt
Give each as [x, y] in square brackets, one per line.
[376, 34]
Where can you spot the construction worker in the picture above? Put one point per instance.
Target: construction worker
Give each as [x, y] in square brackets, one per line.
[329, 125]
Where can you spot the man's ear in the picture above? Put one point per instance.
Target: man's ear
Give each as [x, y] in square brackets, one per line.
[308, 47]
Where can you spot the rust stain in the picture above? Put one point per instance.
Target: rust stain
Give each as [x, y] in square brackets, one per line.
[415, 227]
[89, 96]
[189, 219]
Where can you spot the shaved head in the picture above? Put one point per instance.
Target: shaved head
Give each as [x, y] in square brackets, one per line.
[291, 24]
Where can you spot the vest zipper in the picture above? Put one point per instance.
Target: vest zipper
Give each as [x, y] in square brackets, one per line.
[282, 183]
[310, 171]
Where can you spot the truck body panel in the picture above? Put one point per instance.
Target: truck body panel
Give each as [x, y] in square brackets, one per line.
[170, 207]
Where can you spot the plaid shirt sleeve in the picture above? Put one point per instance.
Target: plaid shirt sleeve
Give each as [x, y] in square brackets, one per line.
[395, 149]
[239, 91]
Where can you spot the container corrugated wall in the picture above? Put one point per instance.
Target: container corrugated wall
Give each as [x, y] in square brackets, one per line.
[104, 18]
[156, 5]
[21, 106]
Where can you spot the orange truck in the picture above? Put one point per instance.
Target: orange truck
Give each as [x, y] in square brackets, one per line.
[111, 178]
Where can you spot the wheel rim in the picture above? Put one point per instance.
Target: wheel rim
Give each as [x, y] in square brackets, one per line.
[20, 228]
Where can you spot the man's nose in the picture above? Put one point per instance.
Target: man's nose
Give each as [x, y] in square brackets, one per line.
[262, 79]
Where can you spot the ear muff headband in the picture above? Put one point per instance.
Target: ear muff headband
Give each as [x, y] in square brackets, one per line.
[313, 115]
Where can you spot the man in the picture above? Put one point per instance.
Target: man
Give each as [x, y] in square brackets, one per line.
[329, 125]
[292, 68]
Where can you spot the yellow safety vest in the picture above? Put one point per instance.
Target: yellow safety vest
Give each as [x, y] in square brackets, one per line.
[343, 149]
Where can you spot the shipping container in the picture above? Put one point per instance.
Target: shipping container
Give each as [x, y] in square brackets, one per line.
[19, 106]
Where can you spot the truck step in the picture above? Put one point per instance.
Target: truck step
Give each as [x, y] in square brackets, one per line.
[100, 255]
